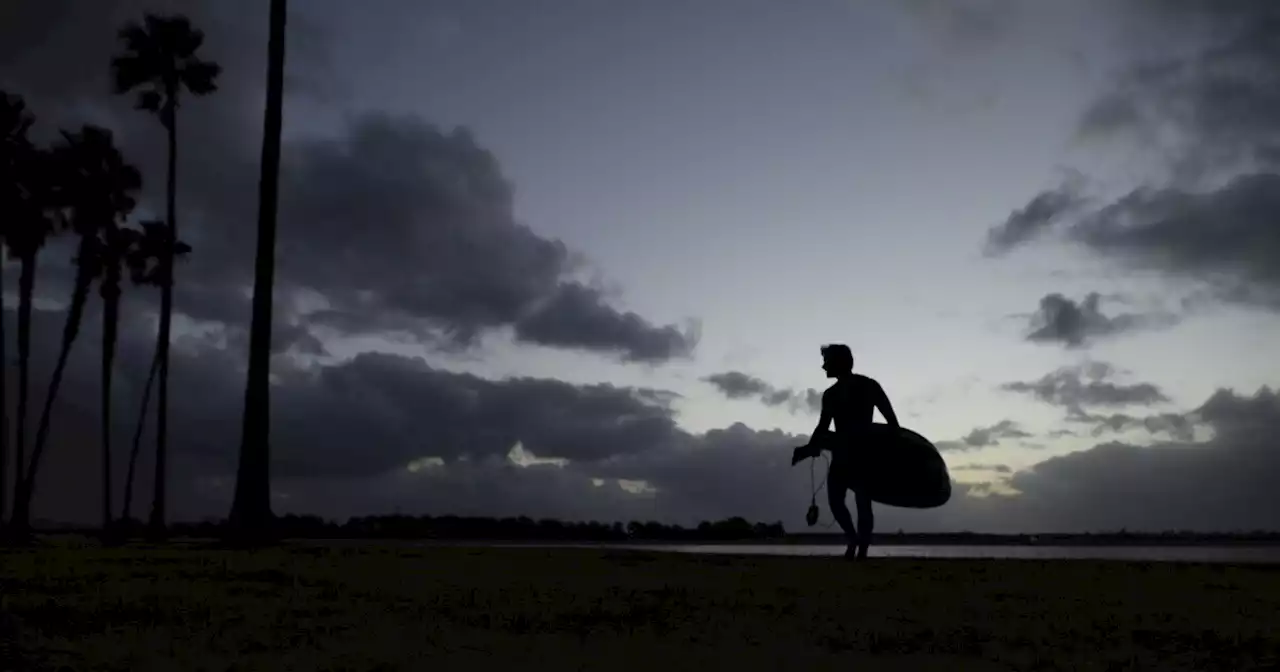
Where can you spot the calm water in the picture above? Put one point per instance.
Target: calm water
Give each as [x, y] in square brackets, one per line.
[1230, 554]
[1265, 554]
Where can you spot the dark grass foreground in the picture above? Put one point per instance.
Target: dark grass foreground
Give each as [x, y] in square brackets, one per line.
[371, 608]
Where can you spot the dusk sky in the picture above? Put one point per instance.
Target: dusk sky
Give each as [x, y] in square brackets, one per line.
[576, 258]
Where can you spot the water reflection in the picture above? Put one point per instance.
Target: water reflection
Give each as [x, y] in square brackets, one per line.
[1164, 553]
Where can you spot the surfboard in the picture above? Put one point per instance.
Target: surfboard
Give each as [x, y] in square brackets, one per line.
[896, 467]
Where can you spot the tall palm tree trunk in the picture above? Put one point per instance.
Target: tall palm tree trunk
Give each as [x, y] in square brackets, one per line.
[4, 403]
[126, 512]
[157, 522]
[251, 509]
[26, 290]
[79, 297]
[110, 328]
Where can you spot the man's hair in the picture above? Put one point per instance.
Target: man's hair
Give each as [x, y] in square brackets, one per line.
[838, 353]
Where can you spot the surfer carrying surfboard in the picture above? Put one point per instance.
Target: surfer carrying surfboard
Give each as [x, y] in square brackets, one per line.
[850, 402]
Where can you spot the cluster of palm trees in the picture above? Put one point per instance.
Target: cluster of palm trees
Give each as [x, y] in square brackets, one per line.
[83, 187]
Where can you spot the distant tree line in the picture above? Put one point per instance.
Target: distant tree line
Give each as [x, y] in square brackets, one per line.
[498, 529]
[737, 529]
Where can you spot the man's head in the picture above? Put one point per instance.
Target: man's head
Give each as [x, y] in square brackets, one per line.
[837, 360]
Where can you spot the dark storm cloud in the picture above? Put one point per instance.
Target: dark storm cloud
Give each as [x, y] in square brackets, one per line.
[1236, 418]
[1226, 237]
[1222, 98]
[1224, 483]
[401, 409]
[1073, 324]
[1175, 425]
[402, 227]
[991, 436]
[1044, 211]
[1080, 389]
[1223, 238]
[391, 225]
[1088, 385]
[996, 468]
[1214, 221]
[984, 437]
[738, 385]
[722, 471]
[576, 317]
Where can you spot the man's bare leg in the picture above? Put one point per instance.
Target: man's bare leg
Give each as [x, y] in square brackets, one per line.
[866, 523]
[836, 490]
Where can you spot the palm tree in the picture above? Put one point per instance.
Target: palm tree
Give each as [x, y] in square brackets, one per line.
[143, 260]
[29, 223]
[15, 147]
[4, 377]
[126, 510]
[97, 188]
[251, 509]
[115, 249]
[159, 62]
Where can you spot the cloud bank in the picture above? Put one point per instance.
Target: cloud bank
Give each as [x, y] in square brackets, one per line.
[738, 385]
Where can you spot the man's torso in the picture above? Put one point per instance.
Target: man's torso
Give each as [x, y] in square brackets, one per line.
[851, 402]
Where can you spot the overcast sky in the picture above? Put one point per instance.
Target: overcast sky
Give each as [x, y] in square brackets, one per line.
[576, 258]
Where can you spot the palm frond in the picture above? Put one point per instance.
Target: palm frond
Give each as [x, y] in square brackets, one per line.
[96, 186]
[158, 59]
[129, 71]
[200, 77]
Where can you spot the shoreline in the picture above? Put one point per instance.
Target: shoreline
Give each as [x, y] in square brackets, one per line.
[977, 541]
[640, 544]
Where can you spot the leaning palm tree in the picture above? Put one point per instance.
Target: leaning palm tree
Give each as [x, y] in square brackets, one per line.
[251, 509]
[143, 261]
[159, 62]
[97, 188]
[115, 249]
[29, 223]
[126, 509]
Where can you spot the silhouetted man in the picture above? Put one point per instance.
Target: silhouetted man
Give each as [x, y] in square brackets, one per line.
[850, 402]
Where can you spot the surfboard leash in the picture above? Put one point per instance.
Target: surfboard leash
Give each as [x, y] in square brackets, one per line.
[814, 512]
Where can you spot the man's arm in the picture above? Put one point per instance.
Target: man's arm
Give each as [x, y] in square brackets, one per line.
[824, 423]
[814, 447]
[886, 409]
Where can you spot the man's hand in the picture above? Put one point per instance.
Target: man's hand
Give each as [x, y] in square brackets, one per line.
[803, 453]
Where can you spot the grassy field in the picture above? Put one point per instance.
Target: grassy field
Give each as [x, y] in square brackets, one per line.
[382, 608]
